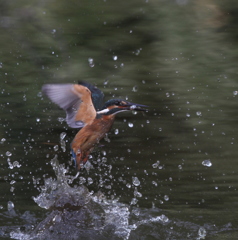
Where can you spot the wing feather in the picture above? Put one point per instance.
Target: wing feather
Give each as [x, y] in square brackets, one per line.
[75, 100]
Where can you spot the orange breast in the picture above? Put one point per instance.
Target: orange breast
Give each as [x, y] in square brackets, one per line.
[89, 136]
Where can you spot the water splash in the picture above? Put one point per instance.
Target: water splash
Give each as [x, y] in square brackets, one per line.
[78, 213]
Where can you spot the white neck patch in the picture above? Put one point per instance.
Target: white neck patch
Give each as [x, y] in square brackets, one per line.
[103, 111]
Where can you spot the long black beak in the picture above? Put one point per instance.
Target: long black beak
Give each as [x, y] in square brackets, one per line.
[134, 107]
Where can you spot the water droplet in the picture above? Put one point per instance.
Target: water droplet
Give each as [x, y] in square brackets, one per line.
[56, 148]
[10, 205]
[180, 167]
[90, 62]
[12, 182]
[132, 107]
[198, 113]
[16, 164]
[53, 31]
[8, 154]
[134, 201]
[3, 140]
[135, 89]
[39, 94]
[116, 131]
[82, 180]
[137, 194]
[105, 82]
[235, 93]
[134, 112]
[166, 197]
[202, 233]
[164, 218]
[187, 115]
[155, 165]
[155, 183]
[137, 52]
[90, 180]
[135, 181]
[207, 163]
[60, 119]
[114, 58]
[9, 163]
[62, 135]
[37, 119]
[130, 125]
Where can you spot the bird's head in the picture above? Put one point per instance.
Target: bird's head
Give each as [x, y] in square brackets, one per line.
[115, 106]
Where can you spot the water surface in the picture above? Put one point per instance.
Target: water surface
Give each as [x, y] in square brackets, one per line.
[169, 173]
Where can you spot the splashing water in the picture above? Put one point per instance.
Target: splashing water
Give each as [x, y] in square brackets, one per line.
[77, 213]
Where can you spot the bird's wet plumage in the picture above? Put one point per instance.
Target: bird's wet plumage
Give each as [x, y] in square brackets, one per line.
[84, 108]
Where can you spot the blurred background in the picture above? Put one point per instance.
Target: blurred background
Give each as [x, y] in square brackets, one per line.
[169, 173]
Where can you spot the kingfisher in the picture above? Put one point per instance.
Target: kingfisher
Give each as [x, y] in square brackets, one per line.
[85, 110]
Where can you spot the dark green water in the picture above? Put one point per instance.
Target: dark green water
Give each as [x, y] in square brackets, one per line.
[170, 173]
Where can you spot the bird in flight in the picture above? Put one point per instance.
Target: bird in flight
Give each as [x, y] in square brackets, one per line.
[85, 110]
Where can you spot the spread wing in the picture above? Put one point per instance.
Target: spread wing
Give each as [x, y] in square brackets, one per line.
[75, 99]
